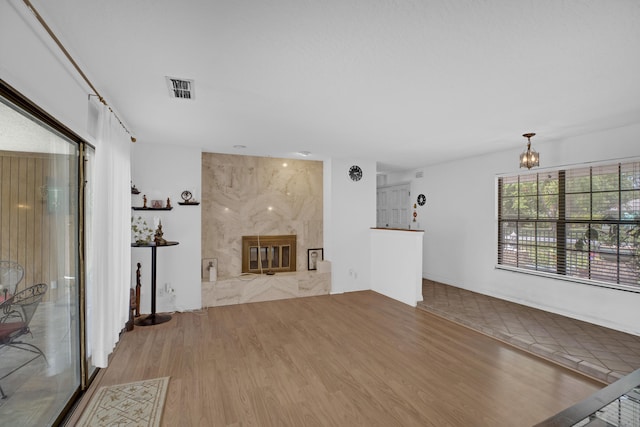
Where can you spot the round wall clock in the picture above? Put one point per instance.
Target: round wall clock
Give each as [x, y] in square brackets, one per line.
[186, 196]
[355, 173]
[422, 199]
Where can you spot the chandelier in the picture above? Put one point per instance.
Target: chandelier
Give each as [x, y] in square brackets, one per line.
[529, 158]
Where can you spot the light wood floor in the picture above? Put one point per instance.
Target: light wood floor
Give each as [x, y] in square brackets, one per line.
[356, 359]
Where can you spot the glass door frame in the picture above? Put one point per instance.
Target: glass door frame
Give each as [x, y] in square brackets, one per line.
[20, 102]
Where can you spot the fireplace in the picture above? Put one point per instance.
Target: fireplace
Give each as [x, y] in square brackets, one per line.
[268, 254]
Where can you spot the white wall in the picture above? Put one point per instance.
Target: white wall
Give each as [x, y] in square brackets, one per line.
[33, 67]
[165, 171]
[460, 218]
[162, 171]
[352, 212]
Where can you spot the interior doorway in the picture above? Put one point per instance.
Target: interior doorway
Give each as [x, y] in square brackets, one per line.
[393, 206]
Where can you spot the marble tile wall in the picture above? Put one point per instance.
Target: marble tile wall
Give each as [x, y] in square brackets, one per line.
[246, 195]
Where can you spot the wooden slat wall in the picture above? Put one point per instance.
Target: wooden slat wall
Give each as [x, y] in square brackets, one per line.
[31, 235]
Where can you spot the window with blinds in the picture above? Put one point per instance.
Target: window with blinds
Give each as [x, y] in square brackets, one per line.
[581, 222]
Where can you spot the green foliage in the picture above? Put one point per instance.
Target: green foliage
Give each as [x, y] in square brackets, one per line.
[141, 232]
[633, 233]
[533, 196]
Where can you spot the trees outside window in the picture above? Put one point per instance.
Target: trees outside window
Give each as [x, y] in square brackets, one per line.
[581, 222]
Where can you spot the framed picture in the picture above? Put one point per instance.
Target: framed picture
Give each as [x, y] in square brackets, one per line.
[313, 256]
[156, 204]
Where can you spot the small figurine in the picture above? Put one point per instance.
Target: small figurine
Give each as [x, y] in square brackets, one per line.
[158, 237]
[144, 200]
[138, 288]
[168, 202]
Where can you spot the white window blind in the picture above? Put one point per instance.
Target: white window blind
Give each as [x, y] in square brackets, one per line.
[579, 222]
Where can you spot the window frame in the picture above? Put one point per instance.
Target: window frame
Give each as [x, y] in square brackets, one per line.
[563, 245]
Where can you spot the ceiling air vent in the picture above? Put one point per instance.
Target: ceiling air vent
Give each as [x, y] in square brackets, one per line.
[419, 174]
[180, 88]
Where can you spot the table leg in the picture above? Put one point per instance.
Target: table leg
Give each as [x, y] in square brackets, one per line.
[154, 251]
[153, 318]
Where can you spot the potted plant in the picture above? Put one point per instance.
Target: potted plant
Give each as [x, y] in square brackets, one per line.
[141, 233]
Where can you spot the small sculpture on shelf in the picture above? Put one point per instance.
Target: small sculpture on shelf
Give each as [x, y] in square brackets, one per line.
[160, 241]
[187, 198]
[168, 202]
[134, 190]
[138, 288]
[144, 200]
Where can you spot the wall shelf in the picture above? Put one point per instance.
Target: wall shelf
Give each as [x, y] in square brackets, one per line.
[189, 203]
[140, 208]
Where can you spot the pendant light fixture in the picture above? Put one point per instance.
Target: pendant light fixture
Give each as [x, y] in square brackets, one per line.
[529, 158]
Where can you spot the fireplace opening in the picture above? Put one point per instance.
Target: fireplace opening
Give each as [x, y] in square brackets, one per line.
[268, 254]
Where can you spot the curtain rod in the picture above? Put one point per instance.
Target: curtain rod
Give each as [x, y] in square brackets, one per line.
[75, 65]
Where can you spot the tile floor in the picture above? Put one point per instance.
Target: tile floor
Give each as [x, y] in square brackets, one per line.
[602, 353]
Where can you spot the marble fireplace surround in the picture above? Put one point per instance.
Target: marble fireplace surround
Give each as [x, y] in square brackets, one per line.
[260, 287]
[247, 196]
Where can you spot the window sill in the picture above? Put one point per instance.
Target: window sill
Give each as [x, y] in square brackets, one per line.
[627, 288]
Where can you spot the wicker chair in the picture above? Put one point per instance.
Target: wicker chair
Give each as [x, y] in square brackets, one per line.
[16, 313]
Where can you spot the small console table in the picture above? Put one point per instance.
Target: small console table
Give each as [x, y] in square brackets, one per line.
[154, 318]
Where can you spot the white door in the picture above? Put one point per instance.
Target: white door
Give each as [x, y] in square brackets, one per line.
[393, 206]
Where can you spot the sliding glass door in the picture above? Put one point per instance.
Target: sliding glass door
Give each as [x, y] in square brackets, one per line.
[41, 224]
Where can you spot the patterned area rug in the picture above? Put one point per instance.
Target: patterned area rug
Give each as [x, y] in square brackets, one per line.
[137, 404]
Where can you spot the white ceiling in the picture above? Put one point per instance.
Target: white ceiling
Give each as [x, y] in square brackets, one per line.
[406, 83]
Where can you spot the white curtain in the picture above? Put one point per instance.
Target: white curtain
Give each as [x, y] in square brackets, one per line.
[110, 251]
